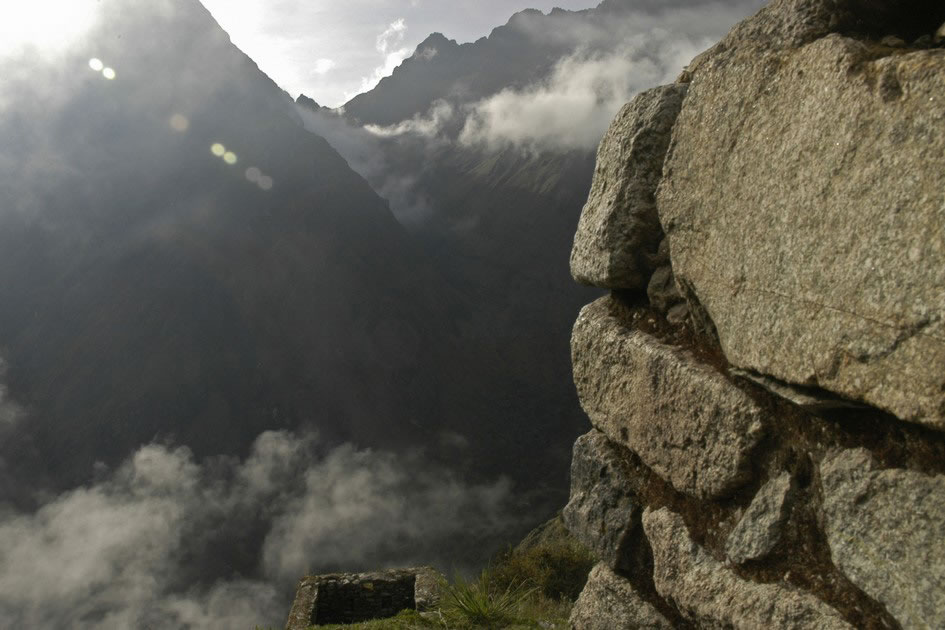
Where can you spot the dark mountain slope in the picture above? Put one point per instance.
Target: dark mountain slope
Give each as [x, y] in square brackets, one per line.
[498, 220]
[151, 290]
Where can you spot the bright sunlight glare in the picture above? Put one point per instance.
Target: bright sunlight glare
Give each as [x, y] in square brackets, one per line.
[46, 26]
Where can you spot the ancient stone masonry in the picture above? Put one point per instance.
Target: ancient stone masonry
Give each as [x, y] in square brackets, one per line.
[766, 381]
[354, 597]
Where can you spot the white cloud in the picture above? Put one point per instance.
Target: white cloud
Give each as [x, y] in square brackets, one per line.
[121, 553]
[426, 54]
[572, 108]
[361, 508]
[392, 36]
[324, 65]
[389, 44]
[428, 125]
[45, 27]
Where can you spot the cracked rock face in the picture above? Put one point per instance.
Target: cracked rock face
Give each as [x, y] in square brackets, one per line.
[619, 230]
[761, 526]
[804, 205]
[684, 419]
[886, 530]
[609, 602]
[712, 596]
[602, 512]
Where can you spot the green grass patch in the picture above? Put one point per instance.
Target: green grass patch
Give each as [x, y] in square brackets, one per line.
[483, 602]
[557, 570]
[529, 587]
[406, 620]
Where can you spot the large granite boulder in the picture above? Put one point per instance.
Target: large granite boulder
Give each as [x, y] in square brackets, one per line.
[886, 530]
[712, 596]
[685, 419]
[803, 201]
[602, 511]
[619, 231]
[609, 602]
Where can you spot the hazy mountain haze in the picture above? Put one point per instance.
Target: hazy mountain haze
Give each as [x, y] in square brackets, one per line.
[332, 51]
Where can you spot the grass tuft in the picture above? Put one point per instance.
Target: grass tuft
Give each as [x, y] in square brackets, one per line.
[482, 602]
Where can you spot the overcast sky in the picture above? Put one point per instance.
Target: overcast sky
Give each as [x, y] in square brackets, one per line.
[332, 50]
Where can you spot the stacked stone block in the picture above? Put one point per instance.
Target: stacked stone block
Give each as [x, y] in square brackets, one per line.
[766, 381]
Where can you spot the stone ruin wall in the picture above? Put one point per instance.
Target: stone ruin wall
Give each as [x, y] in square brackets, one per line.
[345, 598]
[766, 379]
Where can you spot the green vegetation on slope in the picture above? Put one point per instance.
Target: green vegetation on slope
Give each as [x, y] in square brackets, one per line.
[533, 585]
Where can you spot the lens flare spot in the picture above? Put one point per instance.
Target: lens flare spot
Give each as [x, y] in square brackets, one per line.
[96, 64]
[229, 157]
[265, 182]
[179, 123]
[253, 174]
[217, 149]
[108, 73]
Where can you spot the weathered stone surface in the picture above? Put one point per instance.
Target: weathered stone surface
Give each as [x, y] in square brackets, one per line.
[893, 42]
[760, 527]
[662, 291]
[619, 230]
[807, 398]
[804, 200]
[712, 596]
[886, 530]
[684, 419]
[678, 314]
[354, 597]
[609, 602]
[602, 511]
[426, 591]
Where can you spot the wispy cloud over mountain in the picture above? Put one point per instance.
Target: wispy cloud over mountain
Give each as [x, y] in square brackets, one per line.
[121, 552]
[612, 60]
[390, 46]
[572, 108]
[591, 63]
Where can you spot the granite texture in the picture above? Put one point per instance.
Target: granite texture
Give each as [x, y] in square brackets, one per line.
[886, 530]
[803, 202]
[609, 602]
[761, 526]
[619, 230]
[602, 512]
[712, 596]
[685, 419]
